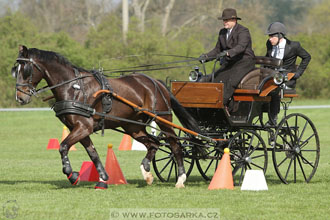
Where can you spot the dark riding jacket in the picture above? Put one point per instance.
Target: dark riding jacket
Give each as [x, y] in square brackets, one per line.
[238, 45]
[239, 62]
[292, 50]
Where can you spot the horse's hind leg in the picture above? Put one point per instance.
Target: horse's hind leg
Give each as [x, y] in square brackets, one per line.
[139, 133]
[88, 144]
[145, 164]
[178, 154]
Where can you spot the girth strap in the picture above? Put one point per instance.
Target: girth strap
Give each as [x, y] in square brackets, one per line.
[72, 107]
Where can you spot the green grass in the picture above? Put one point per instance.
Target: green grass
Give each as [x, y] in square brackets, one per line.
[33, 177]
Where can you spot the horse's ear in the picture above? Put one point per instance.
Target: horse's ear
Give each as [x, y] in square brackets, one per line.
[23, 51]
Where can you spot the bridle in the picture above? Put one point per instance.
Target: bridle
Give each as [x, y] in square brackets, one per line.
[27, 61]
[32, 90]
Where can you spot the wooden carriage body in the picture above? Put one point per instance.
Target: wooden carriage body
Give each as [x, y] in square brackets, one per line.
[204, 100]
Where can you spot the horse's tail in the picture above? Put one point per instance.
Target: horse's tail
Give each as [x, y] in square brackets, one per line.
[185, 118]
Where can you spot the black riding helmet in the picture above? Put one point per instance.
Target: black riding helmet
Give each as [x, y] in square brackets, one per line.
[276, 28]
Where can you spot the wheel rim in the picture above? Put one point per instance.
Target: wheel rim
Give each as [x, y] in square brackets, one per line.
[297, 149]
[165, 165]
[247, 151]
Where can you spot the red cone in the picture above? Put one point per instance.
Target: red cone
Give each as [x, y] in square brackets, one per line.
[126, 143]
[223, 177]
[88, 172]
[113, 169]
[53, 144]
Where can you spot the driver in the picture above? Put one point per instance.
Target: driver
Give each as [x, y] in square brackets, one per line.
[234, 50]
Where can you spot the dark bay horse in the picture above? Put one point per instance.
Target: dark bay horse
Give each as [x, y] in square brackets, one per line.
[76, 107]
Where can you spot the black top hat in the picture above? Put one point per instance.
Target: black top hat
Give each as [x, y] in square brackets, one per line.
[229, 13]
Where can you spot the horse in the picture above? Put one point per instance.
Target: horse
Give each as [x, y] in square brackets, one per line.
[82, 108]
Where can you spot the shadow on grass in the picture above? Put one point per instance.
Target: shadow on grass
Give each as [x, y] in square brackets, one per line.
[59, 184]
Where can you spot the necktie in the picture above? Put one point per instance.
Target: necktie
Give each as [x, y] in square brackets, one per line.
[275, 51]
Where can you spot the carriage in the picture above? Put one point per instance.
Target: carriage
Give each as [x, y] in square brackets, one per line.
[293, 142]
[86, 102]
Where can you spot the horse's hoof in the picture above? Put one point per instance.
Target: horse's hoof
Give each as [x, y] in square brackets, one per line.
[181, 180]
[101, 185]
[179, 186]
[149, 178]
[74, 178]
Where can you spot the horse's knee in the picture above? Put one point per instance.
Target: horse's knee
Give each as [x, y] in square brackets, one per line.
[63, 148]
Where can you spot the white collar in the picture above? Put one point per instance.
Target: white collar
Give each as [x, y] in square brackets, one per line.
[282, 43]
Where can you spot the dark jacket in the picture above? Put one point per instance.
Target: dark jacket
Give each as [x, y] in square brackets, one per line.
[292, 50]
[238, 45]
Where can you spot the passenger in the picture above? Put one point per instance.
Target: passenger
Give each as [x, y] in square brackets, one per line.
[278, 46]
[234, 50]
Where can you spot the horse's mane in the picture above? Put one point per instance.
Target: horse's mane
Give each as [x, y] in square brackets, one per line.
[50, 56]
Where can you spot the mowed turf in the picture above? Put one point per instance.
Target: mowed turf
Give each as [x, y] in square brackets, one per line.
[33, 177]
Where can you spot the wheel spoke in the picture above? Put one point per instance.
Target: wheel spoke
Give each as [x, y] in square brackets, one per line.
[282, 162]
[261, 155]
[168, 162]
[169, 173]
[241, 176]
[257, 166]
[287, 172]
[187, 161]
[165, 151]
[303, 131]
[207, 168]
[164, 158]
[303, 144]
[305, 160]
[289, 131]
[302, 169]
[295, 170]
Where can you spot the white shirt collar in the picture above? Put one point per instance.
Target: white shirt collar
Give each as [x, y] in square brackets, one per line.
[279, 49]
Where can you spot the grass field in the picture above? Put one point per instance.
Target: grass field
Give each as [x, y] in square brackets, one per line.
[33, 177]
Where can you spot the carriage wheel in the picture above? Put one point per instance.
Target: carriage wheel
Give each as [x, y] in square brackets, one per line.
[247, 151]
[165, 165]
[297, 149]
[207, 167]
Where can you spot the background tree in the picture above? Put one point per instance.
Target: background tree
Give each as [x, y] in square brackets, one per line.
[90, 34]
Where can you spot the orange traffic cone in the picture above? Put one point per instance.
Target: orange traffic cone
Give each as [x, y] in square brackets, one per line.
[126, 143]
[223, 177]
[113, 169]
[88, 172]
[53, 144]
[65, 133]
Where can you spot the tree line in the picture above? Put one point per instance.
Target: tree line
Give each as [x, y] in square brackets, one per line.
[93, 34]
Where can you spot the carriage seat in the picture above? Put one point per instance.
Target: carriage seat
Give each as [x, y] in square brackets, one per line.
[268, 61]
[253, 79]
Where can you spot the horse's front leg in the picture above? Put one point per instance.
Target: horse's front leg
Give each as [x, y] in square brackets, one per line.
[78, 133]
[103, 176]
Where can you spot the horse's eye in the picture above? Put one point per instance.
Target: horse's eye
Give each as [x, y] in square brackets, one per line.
[27, 71]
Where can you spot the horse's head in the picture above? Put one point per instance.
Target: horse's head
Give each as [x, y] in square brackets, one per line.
[28, 74]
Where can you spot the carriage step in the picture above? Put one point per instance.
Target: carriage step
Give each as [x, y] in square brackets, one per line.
[238, 119]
